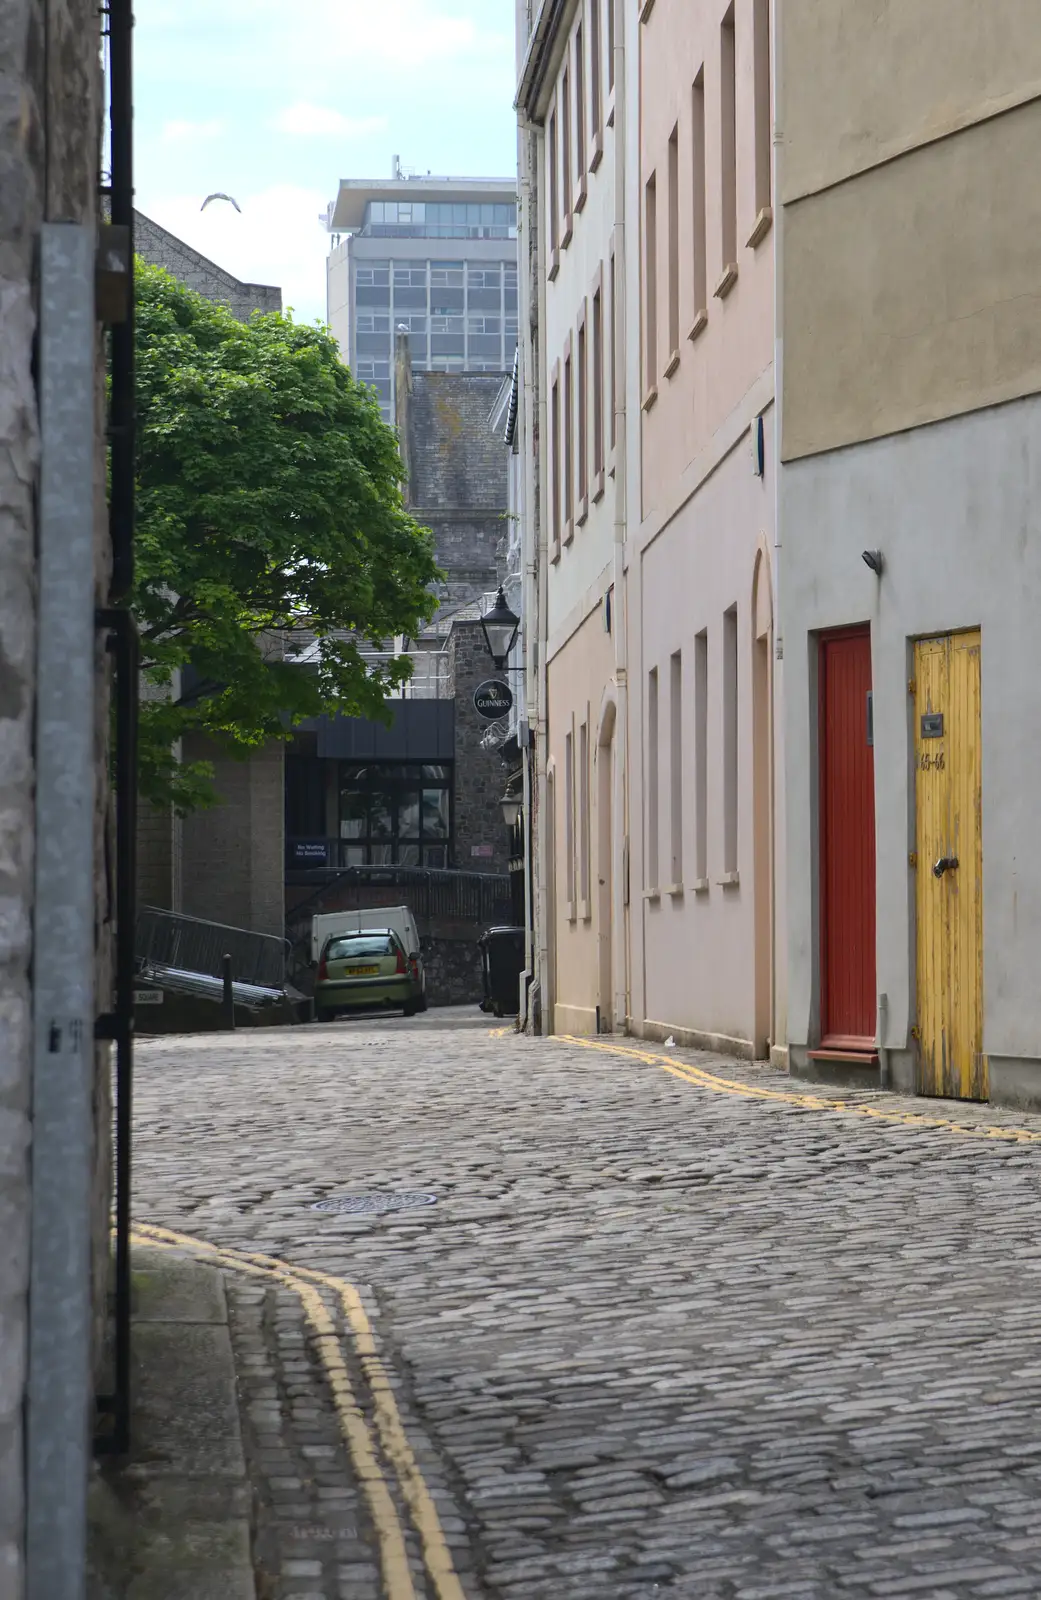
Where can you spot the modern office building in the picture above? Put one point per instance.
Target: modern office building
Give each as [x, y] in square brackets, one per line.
[435, 256]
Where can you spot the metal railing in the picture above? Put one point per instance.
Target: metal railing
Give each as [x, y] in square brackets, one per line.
[429, 893]
[188, 944]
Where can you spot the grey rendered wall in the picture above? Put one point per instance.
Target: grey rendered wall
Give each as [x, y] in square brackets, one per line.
[233, 856]
[59, 118]
[956, 510]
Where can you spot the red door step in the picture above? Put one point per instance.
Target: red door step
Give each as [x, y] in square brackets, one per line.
[861, 1058]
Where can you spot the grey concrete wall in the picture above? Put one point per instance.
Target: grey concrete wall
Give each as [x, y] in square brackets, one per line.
[956, 511]
[233, 854]
[59, 116]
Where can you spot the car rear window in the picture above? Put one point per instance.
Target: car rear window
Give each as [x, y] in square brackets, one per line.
[379, 944]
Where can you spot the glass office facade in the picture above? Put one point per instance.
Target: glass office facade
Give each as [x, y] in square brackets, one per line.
[424, 219]
[461, 316]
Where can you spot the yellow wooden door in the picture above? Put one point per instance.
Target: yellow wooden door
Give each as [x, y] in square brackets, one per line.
[948, 797]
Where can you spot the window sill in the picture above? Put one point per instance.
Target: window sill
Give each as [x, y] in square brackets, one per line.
[674, 361]
[580, 197]
[652, 894]
[761, 227]
[611, 462]
[675, 891]
[583, 512]
[699, 325]
[650, 397]
[596, 154]
[554, 550]
[572, 911]
[729, 880]
[587, 911]
[726, 282]
[598, 486]
[568, 233]
[569, 531]
[646, 9]
[554, 264]
[700, 886]
[609, 116]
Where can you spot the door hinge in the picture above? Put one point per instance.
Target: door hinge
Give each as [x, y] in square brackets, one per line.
[912, 860]
[912, 687]
[916, 1033]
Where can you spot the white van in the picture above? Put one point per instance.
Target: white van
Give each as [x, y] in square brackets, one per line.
[398, 918]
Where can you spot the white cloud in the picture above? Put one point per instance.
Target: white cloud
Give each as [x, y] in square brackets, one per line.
[277, 239]
[181, 132]
[306, 121]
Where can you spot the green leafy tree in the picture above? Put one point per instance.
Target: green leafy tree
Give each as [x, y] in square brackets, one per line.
[269, 498]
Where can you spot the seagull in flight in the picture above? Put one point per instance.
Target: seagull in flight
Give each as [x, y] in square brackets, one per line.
[230, 198]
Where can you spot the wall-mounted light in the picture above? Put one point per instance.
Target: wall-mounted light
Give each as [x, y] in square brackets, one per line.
[512, 806]
[873, 559]
[500, 626]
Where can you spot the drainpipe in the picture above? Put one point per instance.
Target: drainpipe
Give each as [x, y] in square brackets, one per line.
[880, 1045]
[60, 1406]
[620, 622]
[779, 854]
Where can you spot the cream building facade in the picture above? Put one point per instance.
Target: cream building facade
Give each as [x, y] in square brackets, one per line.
[571, 103]
[706, 878]
[910, 257]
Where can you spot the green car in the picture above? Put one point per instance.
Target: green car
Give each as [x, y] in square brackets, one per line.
[366, 971]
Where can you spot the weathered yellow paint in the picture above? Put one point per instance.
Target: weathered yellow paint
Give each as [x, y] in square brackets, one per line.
[948, 801]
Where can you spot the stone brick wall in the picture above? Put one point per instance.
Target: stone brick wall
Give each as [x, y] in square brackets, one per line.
[482, 842]
[49, 143]
[164, 249]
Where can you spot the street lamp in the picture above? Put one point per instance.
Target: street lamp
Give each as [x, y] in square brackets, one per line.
[512, 807]
[500, 626]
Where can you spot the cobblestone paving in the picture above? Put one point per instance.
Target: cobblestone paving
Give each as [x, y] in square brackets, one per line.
[655, 1339]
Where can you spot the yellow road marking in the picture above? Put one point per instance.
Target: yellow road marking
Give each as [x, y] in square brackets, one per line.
[749, 1091]
[353, 1426]
[436, 1555]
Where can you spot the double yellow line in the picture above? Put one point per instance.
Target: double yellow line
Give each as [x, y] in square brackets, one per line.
[814, 1102]
[362, 1446]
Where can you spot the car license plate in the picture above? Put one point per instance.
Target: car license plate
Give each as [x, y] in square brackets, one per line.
[362, 972]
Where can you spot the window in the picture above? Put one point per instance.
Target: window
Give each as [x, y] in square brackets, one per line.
[730, 740]
[583, 421]
[698, 242]
[554, 189]
[569, 816]
[728, 141]
[554, 427]
[569, 443]
[410, 277]
[484, 277]
[446, 325]
[676, 767]
[366, 322]
[483, 324]
[565, 138]
[650, 288]
[612, 386]
[674, 244]
[583, 813]
[595, 68]
[652, 779]
[398, 813]
[701, 757]
[580, 103]
[446, 274]
[598, 384]
[375, 274]
[761, 52]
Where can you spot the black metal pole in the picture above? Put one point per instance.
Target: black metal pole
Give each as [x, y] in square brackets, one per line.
[122, 408]
[229, 992]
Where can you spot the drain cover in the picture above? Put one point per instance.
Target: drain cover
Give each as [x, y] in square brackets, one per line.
[362, 1204]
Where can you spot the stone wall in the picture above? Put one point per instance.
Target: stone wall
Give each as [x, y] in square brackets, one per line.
[482, 842]
[164, 249]
[49, 144]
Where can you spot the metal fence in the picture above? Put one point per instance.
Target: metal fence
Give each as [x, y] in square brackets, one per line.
[478, 897]
[188, 944]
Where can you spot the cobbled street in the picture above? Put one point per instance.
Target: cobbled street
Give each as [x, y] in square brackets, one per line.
[710, 1334]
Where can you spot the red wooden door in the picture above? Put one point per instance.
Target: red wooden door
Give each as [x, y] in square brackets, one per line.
[847, 840]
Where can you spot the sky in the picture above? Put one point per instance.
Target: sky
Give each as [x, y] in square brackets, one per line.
[274, 103]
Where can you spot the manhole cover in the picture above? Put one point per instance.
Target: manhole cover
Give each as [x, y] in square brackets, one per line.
[359, 1204]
